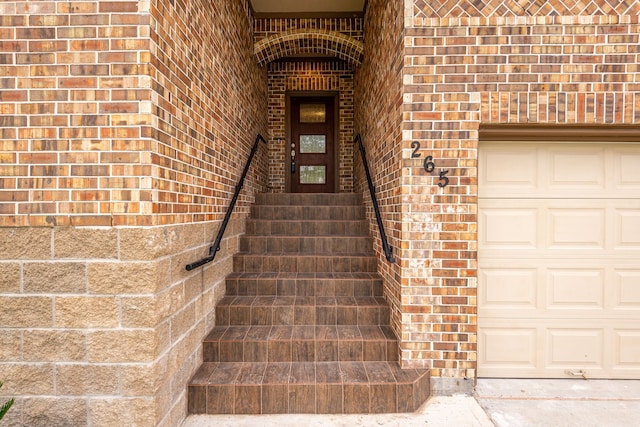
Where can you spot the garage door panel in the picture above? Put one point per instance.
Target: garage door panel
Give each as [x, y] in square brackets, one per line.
[509, 168]
[559, 170]
[575, 348]
[627, 228]
[627, 289]
[576, 168]
[576, 228]
[575, 289]
[502, 347]
[559, 264]
[626, 161]
[523, 288]
[505, 288]
[509, 228]
[627, 349]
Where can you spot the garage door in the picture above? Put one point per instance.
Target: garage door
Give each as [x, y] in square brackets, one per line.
[559, 260]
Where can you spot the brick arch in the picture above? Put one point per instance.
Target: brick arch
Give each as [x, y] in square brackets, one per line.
[296, 42]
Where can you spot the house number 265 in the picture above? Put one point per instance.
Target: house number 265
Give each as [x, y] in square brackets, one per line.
[429, 165]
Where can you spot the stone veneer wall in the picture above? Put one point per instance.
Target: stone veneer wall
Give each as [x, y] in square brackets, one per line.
[304, 76]
[125, 127]
[465, 64]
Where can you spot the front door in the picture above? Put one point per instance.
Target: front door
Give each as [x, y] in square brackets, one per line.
[312, 155]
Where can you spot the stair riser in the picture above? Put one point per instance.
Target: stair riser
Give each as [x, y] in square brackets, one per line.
[305, 245]
[302, 287]
[308, 213]
[301, 315]
[300, 351]
[308, 264]
[286, 199]
[307, 228]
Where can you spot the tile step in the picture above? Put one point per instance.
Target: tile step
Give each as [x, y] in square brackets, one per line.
[307, 212]
[300, 344]
[309, 263]
[305, 284]
[307, 228]
[306, 387]
[291, 199]
[301, 310]
[306, 244]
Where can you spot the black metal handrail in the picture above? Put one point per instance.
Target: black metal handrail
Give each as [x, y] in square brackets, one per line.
[216, 245]
[388, 251]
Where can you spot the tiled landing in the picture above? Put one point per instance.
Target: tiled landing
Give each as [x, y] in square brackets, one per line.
[304, 327]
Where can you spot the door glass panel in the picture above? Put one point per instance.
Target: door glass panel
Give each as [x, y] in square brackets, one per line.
[313, 174]
[312, 113]
[313, 144]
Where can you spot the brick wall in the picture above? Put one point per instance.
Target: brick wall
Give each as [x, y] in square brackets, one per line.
[304, 76]
[266, 27]
[466, 64]
[125, 127]
[74, 101]
[378, 119]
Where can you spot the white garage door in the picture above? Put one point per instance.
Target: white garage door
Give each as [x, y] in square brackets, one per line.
[559, 260]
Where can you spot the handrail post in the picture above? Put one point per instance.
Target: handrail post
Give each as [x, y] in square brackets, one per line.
[388, 250]
[213, 250]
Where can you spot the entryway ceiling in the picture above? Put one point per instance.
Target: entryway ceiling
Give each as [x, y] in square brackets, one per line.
[307, 6]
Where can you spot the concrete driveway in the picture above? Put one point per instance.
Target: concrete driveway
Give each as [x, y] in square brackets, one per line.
[561, 403]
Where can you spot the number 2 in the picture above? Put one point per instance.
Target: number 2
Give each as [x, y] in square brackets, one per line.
[416, 146]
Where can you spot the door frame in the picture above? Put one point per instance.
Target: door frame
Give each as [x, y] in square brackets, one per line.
[336, 133]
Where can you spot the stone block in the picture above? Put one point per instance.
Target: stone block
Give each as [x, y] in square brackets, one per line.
[182, 321]
[140, 379]
[87, 312]
[10, 277]
[10, 345]
[54, 346]
[139, 312]
[139, 412]
[87, 380]
[26, 379]
[171, 300]
[85, 243]
[55, 277]
[54, 412]
[146, 243]
[25, 243]
[121, 346]
[26, 312]
[126, 277]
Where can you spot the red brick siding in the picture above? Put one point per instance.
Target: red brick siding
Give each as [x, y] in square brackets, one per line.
[74, 100]
[107, 122]
[463, 70]
[379, 121]
[210, 103]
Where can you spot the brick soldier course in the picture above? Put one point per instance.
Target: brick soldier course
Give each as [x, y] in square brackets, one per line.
[124, 127]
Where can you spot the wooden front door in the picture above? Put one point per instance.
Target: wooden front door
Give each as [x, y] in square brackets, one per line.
[312, 151]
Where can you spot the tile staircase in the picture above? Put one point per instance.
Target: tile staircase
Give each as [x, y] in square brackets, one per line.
[303, 327]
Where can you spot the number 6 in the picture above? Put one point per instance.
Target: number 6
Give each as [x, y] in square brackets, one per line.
[429, 166]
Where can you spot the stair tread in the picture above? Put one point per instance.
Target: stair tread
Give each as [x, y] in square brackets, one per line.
[299, 254]
[347, 275]
[300, 332]
[338, 372]
[279, 300]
